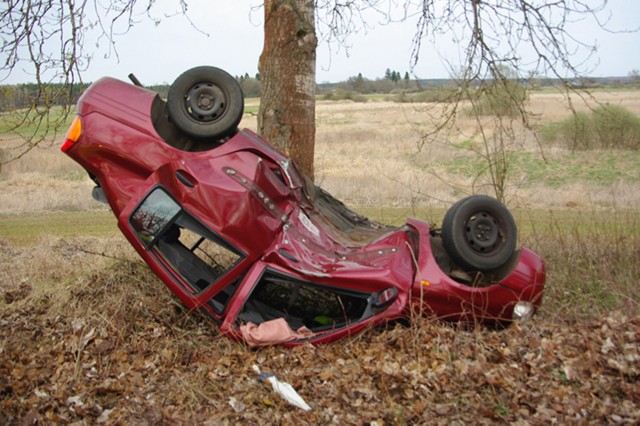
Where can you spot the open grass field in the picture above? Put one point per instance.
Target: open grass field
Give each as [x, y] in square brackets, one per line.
[368, 154]
[89, 335]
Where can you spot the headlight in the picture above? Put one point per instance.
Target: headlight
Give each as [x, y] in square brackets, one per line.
[523, 311]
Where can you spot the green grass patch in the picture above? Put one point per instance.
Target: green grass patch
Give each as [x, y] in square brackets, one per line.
[252, 109]
[397, 216]
[26, 229]
[467, 165]
[37, 124]
[600, 168]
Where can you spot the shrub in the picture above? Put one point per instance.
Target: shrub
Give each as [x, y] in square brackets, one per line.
[616, 127]
[605, 127]
[344, 95]
[500, 98]
[439, 94]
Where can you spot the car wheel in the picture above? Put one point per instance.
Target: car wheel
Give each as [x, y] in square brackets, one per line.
[206, 102]
[479, 233]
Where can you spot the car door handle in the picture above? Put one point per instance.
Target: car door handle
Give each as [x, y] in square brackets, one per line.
[185, 178]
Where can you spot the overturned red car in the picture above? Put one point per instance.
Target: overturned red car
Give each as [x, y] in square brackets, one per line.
[234, 230]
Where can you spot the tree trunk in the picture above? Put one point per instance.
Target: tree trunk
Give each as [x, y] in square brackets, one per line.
[288, 75]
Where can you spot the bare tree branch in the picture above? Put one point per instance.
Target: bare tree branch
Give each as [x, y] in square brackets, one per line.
[46, 39]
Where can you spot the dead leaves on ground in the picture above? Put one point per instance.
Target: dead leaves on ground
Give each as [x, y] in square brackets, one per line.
[122, 351]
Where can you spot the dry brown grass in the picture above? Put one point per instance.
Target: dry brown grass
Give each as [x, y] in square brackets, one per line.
[367, 154]
[555, 107]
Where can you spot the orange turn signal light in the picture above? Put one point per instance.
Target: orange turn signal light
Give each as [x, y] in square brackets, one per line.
[73, 134]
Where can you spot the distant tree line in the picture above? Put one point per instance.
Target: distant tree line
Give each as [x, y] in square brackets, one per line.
[250, 85]
[434, 89]
[21, 96]
[28, 95]
[392, 81]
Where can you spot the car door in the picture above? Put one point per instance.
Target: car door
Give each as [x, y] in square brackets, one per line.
[198, 265]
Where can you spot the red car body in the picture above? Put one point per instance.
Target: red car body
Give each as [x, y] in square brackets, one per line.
[292, 250]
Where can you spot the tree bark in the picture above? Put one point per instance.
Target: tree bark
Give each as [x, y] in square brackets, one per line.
[288, 75]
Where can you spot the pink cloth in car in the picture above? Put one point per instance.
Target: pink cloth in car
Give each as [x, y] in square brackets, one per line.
[272, 332]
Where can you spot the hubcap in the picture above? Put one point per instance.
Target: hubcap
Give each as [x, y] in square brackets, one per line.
[483, 233]
[205, 102]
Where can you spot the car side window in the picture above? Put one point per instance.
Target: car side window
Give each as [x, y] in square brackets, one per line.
[153, 215]
[196, 254]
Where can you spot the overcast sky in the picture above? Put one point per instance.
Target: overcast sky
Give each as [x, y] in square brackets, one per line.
[233, 39]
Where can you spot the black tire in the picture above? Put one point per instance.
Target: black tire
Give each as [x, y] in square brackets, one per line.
[479, 233]
[206, 102]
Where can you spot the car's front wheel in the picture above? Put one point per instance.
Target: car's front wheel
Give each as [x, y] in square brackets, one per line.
[206, 102]
[479, 233]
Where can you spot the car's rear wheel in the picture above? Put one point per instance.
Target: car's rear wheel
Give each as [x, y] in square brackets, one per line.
[479, 233]
[206, 102]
